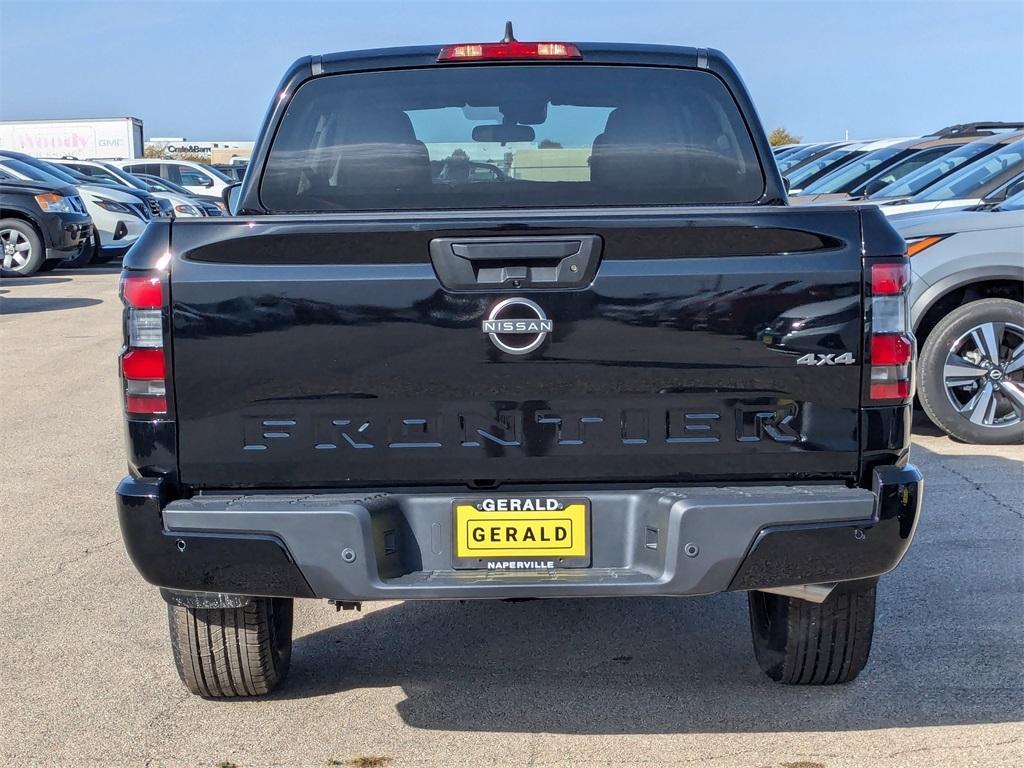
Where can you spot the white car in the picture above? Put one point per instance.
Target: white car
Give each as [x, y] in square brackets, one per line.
[105, 172]
[118, 217]
[195, 177]
[967, 186]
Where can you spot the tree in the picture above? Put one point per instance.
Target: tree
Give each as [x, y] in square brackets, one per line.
[549, 144]
[780, 136]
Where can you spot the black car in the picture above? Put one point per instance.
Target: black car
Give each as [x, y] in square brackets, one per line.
[40, 224]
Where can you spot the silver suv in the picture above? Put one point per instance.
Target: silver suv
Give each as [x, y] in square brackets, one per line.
[967, 311]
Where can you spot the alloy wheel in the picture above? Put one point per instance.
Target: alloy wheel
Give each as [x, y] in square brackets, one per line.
[984, 374]
[17, 249]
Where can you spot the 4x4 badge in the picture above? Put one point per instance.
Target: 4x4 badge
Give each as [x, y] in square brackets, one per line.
[514, 318]
[811, 359]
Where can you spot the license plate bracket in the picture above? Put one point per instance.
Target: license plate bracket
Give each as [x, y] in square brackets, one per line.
[521, 534]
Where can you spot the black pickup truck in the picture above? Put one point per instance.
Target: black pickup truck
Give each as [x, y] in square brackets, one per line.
[621, 365]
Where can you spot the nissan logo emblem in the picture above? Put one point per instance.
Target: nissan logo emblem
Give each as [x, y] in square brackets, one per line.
[517, 326]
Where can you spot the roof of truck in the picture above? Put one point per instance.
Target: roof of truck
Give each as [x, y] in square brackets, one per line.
[591, 53]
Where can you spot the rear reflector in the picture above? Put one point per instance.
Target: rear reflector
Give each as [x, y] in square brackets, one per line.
[891, 349]
[143, 364]
[144, 405]
[506, 51]
[890, 390]
[889, 279]
[142, 292]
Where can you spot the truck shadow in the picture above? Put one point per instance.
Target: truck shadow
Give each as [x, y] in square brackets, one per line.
[19, 305]
[946, 648]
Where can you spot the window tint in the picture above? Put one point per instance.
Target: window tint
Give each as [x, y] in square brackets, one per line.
[802, 154]
[97, 172]
[906, 166]
[85, 170]
[928, 174]
[191, 177]
[502, 136]
[833, 159]
[27, 171]
[841, 179]
[969, 179]
[136, 168]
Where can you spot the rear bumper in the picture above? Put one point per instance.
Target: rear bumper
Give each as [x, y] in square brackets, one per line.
[663, 541]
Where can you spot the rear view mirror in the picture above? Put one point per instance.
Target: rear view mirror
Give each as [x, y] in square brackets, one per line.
[503, 133]
[230, 196]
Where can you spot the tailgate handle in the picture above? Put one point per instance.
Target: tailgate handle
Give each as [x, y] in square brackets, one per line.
[487, 263]
[514, 251]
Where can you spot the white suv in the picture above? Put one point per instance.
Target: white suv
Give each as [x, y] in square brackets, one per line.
[195, 177]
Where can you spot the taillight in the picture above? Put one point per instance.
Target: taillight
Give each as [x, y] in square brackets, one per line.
[143, 360]
[890, 342]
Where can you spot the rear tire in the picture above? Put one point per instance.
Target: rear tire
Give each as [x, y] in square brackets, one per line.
[802, 643]
[232, 652]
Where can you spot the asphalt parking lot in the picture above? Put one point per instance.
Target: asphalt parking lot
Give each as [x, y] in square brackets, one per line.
[88, 677]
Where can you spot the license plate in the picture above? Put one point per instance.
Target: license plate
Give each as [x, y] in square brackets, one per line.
[504, 534]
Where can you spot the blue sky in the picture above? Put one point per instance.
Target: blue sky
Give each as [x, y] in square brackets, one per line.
[206, 70]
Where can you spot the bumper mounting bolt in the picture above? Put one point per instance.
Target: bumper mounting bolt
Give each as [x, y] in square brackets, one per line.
[348, 555]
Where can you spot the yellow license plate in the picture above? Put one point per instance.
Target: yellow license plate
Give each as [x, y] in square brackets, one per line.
[521, 533]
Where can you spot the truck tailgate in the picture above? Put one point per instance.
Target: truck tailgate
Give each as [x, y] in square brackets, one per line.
[349, 351]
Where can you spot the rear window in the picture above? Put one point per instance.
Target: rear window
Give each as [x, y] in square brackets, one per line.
[511, 136]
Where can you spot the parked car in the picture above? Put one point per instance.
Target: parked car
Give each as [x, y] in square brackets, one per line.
[786, 149]
[879, 168]
[195, 177]
[967, 309]
[937, 170]
[549, 408]
[118, 216]
[808, 173]
[459, 171]
[234, 171]
[967, 186]
[806, 154]
[41, 224]
[173, 204]
[209, 205]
